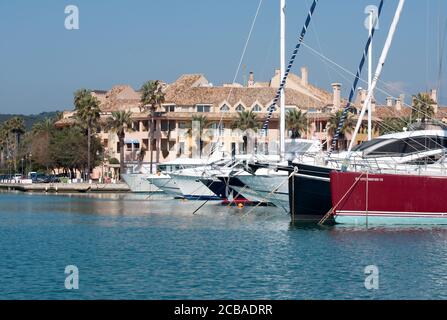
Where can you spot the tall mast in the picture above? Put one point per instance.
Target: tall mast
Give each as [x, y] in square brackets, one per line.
[378, 73]
[370, 71]
[282, 130]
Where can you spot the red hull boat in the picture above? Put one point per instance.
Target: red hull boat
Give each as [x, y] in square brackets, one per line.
[361, 198]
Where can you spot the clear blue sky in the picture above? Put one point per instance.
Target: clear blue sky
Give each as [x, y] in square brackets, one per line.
[42, 64]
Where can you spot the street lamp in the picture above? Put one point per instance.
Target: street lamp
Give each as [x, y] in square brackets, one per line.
[23, 171]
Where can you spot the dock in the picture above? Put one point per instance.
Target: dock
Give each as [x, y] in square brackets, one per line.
[66, 187]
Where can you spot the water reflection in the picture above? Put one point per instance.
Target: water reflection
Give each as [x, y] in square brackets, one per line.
[129, 246]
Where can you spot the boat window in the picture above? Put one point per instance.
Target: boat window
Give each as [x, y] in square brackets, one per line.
[298, 147]
[394, 147]
[421, 144]
[407, 146]
[425, 161]
[367, 145]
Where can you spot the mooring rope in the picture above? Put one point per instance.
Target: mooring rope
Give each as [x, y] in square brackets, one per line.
[332, 211]
[270, 194]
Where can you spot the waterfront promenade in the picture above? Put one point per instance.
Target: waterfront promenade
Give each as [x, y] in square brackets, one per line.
[66, 187]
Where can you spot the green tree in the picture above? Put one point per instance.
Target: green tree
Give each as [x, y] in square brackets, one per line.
[120, 122]
[392, 125]
[68, 149]
[88, 114]
[14, 129]
[152, 97]
[423, 107]
[46, 126]
[347, 128]
[4, 145]
[38, 142]
[247, 120]
[296, 122]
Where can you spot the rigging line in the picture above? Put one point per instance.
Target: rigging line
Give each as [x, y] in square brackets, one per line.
[356, 80]
[282, 85]
[441, 63]
[365, 82]
[317, 37]
[242, 57]
[394, 111]
[246, 45]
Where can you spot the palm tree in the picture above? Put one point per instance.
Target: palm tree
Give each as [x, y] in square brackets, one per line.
[393, 125]
[334, 121]
[296, 122]
[152, 97]
[248, 120]
[423, 107]
[44, 127]
[16, 126]
[120, 122]
[88, 114]
[203, 123]
[4, 143]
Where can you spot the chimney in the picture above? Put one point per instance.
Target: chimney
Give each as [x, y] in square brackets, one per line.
[389, 101]
[337, 95]
[400, 102]
[373, 105]
[251, 80]
[304, 76]
[362, 94]
[434, 95]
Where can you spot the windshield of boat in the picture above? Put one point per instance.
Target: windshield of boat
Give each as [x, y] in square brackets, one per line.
[367, 145]
[298, 147]
[407, 146]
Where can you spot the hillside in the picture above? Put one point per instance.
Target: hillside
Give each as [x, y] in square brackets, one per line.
[30, 120]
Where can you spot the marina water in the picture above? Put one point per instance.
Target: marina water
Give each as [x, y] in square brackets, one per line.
[132, 247]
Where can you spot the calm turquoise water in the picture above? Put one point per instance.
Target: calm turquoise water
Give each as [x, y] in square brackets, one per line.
[127, 247]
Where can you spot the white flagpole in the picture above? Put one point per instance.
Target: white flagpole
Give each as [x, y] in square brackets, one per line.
[282, 128]
[370, 66]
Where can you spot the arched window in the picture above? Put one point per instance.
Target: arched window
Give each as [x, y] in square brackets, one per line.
[257, 108]
[240, 108]
[225, 108]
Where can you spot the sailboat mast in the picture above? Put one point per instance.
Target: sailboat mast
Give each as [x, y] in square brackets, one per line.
[378, 72]
[282, 129]
[370, 71]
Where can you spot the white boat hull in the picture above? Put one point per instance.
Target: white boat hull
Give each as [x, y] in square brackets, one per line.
[166, 184]
[138, 183]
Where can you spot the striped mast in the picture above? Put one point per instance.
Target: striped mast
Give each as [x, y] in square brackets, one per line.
[378, 72]
[272, 108]
[354, 86]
